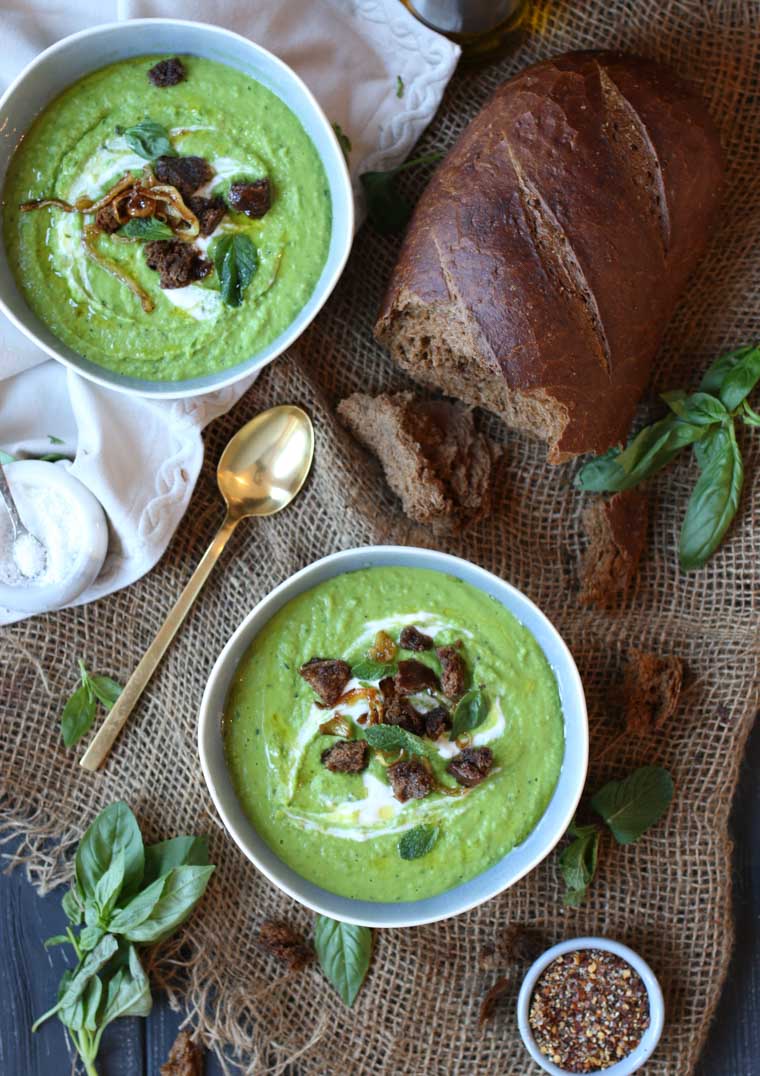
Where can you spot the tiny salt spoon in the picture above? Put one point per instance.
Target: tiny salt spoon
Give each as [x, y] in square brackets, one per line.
[18, 530]
[260, 472]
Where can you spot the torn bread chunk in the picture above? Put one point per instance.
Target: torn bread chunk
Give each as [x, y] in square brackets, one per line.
[617, 530]
[433, 457]
[651, 690]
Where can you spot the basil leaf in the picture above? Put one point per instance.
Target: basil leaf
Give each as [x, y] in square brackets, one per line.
[651, 449]
[56, 939]
[55, 440]
[183, 887]
[78, 715]
[741, 378]
[72, 909]
[578, 863]
[146, 229]
[109, 886]
[388, 212]
[149, 140]
[631, 806]
[105, 690]
[418, 842]
[178, 852]
[236, 261]
[469, 712]
[714, 500]
[399, 86]
[75, 986]
[750, 417]
[373, 670]
[114, 830]
[344, 951]
[699, 408]
[343, 141]
[89, 938]
[128, 994]
[139, 908]
[713, 377]
[393, 738]
[91, 1003]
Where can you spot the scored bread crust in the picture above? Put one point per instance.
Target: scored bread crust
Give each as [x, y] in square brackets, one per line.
[549, 249]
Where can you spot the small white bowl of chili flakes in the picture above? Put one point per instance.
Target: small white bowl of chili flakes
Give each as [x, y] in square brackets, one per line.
[590, 1005]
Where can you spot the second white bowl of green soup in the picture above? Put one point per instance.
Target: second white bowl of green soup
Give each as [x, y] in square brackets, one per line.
[176, 207]
[394, 735]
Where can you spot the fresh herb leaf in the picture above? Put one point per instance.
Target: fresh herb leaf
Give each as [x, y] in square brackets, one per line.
[631, 806]
[652, 449]
[343, 141]
[89, 938]
[469, 712]
[578, 863]
[56, 939]
[146, 229]
[399, 86]
[149, 140]
[55, 440]
[52, 457]
[714, 500]
[128, 993]
[105, 690]
[140, 908]
[699, 408]
[75, 986]
[344, 952]
[108, 887]
[236, 261]
[418, 842]
[750, 417]
[114, 830]
[373, 670]
[741, 378]
[388, 212]
[178, 852]
[72, 909]
[393, 738]
[78, 715]
[182, 888]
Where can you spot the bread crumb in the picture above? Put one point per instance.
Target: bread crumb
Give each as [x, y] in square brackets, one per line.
[616, 529]
[651, 690]
[432, 456]
[185, 1058]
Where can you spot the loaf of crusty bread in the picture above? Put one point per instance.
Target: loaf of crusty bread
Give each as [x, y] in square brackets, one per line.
[549, 249]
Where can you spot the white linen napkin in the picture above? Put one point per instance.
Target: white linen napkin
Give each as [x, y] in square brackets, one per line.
[141, 457]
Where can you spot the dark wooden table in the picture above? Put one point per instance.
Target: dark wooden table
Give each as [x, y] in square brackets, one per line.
[133, 1047]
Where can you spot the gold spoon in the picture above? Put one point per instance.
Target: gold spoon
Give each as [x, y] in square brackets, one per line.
[260, 472]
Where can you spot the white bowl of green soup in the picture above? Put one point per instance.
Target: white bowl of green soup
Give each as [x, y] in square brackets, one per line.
[394, 735]
[176, 206]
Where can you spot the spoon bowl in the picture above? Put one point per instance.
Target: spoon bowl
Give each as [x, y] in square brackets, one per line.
[267, 462]
[260, 471]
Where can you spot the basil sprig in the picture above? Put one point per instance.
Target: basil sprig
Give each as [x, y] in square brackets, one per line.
[146, 229]
[705, 419]
[123, 894]
[79, 712]
[387, 210]
[236, 261]
[149, 140]
[628, 808]
[344, 951]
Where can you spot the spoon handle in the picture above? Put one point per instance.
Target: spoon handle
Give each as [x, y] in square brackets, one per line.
[7, 499]
[104, 739]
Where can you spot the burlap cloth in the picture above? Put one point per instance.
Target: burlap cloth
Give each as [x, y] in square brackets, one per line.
[669, 895]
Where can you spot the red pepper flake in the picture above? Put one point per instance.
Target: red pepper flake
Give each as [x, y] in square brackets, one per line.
[589, 1010]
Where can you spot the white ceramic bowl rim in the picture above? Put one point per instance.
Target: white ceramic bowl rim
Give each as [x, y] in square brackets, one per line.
[148, 37]
[508, 870]
[651, 1037]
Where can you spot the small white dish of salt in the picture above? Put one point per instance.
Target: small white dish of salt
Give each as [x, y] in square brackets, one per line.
[64, 549]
